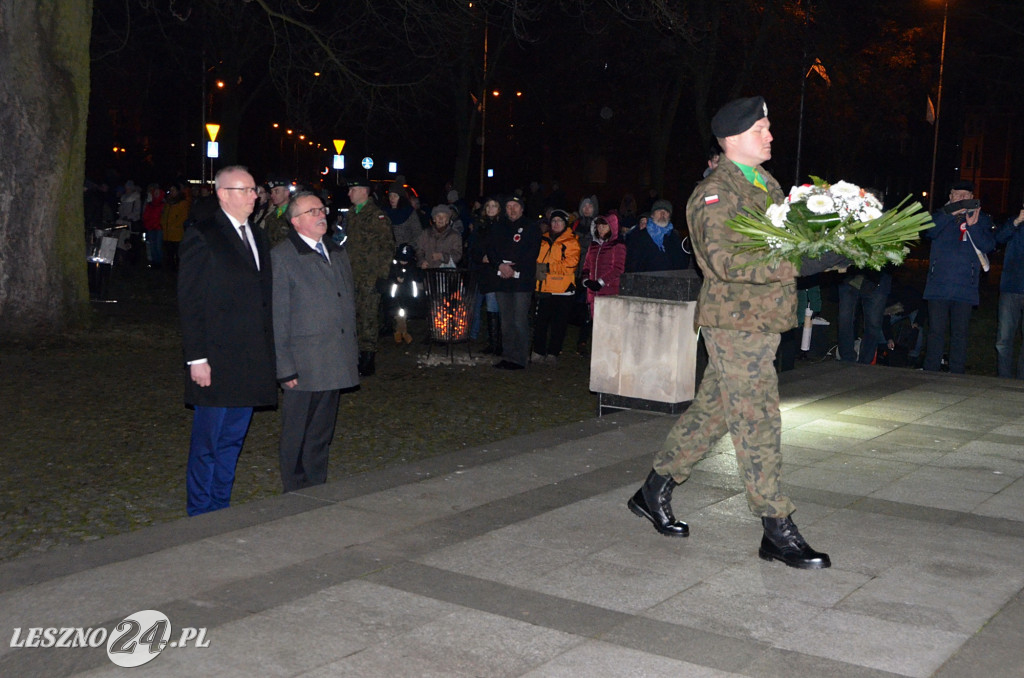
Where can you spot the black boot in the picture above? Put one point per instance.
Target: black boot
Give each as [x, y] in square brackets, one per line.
[652, 502]
[782, 542]
[493, 334]
[366, 363]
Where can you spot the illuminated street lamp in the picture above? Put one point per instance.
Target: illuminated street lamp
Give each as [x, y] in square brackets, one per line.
[938, 105]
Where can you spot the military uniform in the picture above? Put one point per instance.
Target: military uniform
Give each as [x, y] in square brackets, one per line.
[743, 306]
[742, 309]
[275, 225]
[371, 247]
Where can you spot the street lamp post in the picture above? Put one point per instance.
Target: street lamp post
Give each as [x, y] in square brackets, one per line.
[938, 106]
[483, 114]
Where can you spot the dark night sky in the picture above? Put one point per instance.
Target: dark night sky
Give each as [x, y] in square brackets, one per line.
[582, 113]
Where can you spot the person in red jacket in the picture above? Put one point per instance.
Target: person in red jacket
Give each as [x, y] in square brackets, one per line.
[605, 260]
[152, 215]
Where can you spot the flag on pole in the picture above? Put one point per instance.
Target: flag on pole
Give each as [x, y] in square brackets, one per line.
[929, 115]
[819, 68]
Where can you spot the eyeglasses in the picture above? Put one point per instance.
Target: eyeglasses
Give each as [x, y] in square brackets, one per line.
[316, 211]
[249, 189]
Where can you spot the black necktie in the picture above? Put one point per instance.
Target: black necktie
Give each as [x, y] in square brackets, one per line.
[248, 243]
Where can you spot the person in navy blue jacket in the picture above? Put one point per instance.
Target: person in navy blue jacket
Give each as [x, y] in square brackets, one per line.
[954, 268]
[1011, 296]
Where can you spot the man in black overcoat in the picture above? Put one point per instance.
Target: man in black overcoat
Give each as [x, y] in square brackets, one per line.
[224, 300]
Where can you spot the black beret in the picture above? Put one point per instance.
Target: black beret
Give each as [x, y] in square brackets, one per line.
[962, 185]
[516, 199]
[738, 116]
[355, 183]
[274, 182]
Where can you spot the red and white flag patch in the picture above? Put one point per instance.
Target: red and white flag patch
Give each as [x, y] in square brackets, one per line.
[710, 199]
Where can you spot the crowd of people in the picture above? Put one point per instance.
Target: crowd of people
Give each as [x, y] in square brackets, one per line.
[281, 290]
[282, 287]
[883, 318]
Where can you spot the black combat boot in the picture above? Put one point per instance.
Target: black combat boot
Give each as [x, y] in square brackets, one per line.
[366, 363]
[782, 542]
[652, 502]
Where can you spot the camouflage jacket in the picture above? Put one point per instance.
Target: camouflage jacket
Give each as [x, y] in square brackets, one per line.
[276, 227]
[370, 244]
[736, 296]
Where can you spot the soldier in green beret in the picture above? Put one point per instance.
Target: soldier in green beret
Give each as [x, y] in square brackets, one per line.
[371, 246]
[275, 224]
[741, 310]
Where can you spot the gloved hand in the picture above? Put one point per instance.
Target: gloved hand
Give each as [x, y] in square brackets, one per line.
[592, 284]
[827, 261]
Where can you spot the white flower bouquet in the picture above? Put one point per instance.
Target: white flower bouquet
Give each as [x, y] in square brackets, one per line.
[841, 217]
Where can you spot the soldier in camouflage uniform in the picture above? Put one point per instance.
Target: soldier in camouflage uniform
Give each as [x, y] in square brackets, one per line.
[371, 247]
[275, 225]
[742, 309]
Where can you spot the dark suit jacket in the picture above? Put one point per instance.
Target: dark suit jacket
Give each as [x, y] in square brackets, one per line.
[314, 316]
[226, 315]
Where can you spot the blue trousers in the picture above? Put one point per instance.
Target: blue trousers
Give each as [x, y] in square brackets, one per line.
[217, 437]
[1011, 308]
[871, 299]
[487, 301]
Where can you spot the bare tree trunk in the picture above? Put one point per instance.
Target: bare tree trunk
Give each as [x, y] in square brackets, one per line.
[44, 100]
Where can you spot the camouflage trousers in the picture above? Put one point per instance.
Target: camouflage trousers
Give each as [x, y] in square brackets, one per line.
[738, 395]
[367, 317]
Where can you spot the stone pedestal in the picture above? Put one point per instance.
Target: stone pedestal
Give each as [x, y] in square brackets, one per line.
[644, 348]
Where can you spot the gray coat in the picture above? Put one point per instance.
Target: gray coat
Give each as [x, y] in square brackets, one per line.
[314, 316]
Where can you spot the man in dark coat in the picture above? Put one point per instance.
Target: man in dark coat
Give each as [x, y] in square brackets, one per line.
[512, 250]
[224, 300]
[315, 339]
[657, 246]
[960, 233]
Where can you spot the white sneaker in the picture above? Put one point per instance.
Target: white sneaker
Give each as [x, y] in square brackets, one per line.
[536, 357]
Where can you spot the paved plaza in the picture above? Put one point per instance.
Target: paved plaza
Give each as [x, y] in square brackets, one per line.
[520, 558]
